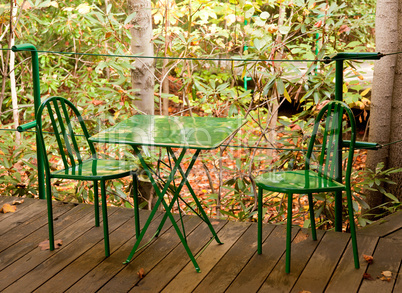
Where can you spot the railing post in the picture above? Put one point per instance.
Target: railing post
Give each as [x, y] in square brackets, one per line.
[339, 58]
[37, 102]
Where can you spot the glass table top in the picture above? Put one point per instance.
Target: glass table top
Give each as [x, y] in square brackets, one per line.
[170, 131]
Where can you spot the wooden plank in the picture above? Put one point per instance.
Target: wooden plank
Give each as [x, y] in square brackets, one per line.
[227, 269]
[28, 209]
[35, 257]
[148, 258]
[30, 243]
[92, 257]
[31, 225]
[383, 226]
[398, 283]
[171, 264]
[387, 257]
[260, 265]
[397, 235]
[188, 279]
[320, 267]
[346, 278]
[67, 254]
[7, 199]
[302, 249]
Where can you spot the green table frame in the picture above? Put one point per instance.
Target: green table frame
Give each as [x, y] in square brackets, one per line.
[181, 132]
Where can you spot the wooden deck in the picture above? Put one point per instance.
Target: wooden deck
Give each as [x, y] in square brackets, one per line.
[79, 264]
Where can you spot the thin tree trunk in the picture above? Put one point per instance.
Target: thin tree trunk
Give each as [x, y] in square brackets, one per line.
[14, 99]
[165, 79]
[142, 77]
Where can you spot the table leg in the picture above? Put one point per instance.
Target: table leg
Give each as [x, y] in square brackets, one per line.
[167, 208]
[203, 215]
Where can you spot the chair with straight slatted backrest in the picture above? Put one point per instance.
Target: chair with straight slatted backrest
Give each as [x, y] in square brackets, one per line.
[79, 158]
[323, 176]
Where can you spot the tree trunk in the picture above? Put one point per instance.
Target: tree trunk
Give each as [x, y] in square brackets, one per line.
[165, 79]
[395, 150]
[386, 102]
[142, 77]
[13, 87]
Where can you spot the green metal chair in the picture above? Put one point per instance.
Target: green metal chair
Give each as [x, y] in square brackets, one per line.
[72, 135]
[323, 176]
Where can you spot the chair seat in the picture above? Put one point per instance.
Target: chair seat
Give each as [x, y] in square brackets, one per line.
[97, 169]
[298, 181]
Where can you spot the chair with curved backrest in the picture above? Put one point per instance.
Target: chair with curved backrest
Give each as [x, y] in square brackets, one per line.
[79, 159]
[324, 176]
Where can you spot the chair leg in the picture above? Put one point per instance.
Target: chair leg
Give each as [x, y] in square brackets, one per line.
[136, 209]
[105, 219]
[259, 237]
[312, 218]
[289, 232]
[352, 228]
[96, 203]
[50, 212]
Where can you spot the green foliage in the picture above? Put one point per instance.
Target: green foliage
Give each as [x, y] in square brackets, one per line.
[375, 180]
[18, 168]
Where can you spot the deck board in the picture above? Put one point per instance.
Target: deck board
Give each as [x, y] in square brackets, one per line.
[79, 265]
[261, 265]
[346, 277]
[302, 249]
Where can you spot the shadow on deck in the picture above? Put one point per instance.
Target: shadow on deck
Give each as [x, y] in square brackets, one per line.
[79, 264]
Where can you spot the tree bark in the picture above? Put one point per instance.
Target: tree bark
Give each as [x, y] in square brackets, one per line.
[142, 77]
[395, 150]
[386, 100]
[13, 87]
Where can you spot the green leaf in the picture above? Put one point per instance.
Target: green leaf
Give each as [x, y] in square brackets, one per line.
[130, 18]
[284, 30]
[391, 196]
[280, 86]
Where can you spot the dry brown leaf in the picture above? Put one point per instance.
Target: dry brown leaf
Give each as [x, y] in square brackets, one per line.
[7, 208]
[300, 237]
[368, 258]
[18, 202]
[367, 276]
[141, 273]
[45, 245]
[304, 291]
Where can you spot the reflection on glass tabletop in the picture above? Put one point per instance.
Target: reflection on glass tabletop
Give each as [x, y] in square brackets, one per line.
[171, 131]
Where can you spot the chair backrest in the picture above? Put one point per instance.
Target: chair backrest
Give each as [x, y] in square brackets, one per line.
[68, 128]
[329, 123]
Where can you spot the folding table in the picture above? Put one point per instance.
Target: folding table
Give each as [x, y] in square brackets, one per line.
[179, 132]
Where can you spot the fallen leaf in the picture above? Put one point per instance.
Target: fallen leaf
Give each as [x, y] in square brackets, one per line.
[300, 237]
[368, 258]
[367, 276]
[45, 245]
[18, 202]
[7, 208]
[141, 273]
[387, 274]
